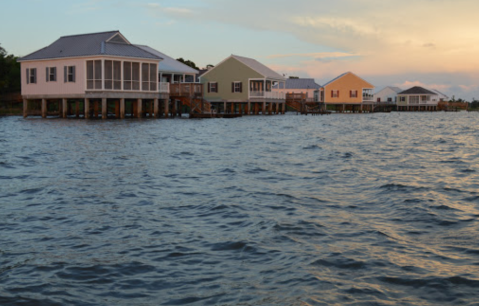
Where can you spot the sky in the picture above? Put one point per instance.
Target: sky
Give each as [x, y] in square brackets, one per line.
[429, 43]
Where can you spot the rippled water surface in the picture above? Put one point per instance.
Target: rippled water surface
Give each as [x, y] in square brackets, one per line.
[377, 209]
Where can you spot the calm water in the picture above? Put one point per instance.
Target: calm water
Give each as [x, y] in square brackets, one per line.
[377, 209]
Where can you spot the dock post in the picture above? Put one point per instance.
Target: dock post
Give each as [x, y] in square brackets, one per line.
[248, 109]
[122, 108]
[139, 110]
[95, 109]
[155, 108]
[87, 108]
[104, 108]
[77, 109]
[44, 108]
[25, 108]
[64, 108]
[263, 109]
[117, 109]
[167, 106]
[270, 111]
[224, 107]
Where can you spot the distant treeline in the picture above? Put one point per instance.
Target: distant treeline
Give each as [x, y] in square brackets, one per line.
[9, 73]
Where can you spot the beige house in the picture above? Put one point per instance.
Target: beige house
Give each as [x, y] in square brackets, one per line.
[241, 84]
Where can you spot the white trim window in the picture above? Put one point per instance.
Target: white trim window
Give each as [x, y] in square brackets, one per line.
[213, 87]
[69, 74]
[237, 87]
[353, 93]
[51, 74]
[334, 93]
[31, 75]
[93, 74]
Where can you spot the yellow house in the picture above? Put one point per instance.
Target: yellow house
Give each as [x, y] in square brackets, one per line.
[347, 88]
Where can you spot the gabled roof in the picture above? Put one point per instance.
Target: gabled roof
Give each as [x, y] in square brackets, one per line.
[440, 93]
[104, 43]
[417, 90]
[343, 75]
[254, 65]
[169, 64]
[298, 84]
[395, 89]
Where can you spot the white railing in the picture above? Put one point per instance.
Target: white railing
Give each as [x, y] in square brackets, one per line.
[368, 98]
[268, 95]
[164, 87]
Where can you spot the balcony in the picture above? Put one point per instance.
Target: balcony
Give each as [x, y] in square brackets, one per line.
[186, 90]
[164, 87]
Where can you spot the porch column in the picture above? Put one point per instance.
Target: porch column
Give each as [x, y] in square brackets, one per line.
[64, 108]
[155, 108]
[139, 108]
[122, 108]
[44, 108]
[87, 108]
[25, 108]
[104, 108]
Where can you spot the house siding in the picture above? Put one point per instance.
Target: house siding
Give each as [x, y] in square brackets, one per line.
[225, 74]
[384, 94]
[60, 87]
[344, 85]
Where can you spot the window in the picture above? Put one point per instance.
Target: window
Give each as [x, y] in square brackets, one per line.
[93, 74]
[69, 74]
[113, 75]
[268, 85]
[31, 75]
[237, 87]
[390, 99]
[131, 76]
[51, 74]
[352, 93]
[148, 77]
[414, 99]
[334, 93]
[402, 99]
[213, 87]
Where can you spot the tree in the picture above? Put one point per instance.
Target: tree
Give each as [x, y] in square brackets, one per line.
[9, 72]
[188, 63]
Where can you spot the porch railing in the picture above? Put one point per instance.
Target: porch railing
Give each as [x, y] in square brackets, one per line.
[268, 95]
[367, 97]
[164, 87]
[186, 90]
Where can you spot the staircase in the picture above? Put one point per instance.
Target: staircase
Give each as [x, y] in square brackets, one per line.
[197, 105]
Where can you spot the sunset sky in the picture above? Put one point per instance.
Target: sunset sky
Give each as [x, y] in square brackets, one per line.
[431, 43]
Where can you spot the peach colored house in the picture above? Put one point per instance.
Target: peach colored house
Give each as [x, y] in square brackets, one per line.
[347, 90]
[91, 71]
